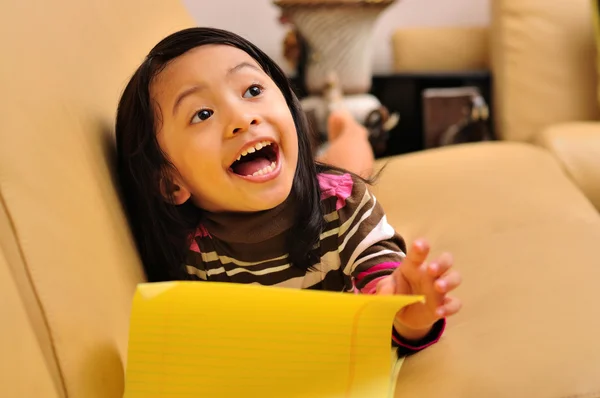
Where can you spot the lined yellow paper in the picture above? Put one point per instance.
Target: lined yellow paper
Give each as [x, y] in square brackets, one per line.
[199, 339]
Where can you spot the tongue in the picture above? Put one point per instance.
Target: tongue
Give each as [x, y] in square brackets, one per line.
[252, 166]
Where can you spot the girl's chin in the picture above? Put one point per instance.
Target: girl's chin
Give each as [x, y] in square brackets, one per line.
[269, 199]
[268, 203]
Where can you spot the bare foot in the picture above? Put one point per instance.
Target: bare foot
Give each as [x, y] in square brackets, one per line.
[340, 122]
[349, 146]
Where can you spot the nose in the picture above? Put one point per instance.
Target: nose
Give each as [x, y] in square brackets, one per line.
[240, 121]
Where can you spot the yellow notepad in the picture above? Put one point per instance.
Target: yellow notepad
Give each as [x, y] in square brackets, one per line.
[199, 339]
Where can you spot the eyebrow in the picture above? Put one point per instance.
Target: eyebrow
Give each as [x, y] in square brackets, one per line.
[241, 66]
[200, 87]
[186, 93]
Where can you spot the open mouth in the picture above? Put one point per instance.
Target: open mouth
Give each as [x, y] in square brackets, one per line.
[257, 160]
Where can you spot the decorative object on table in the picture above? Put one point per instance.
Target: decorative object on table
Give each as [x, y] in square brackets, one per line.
[454, 116]
[379, 122]
[292, 48]
[336, 36]
[366, 109]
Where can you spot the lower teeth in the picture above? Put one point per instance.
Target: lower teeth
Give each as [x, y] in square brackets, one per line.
[265, 170]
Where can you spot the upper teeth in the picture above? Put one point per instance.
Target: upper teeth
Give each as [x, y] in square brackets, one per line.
[258, 146]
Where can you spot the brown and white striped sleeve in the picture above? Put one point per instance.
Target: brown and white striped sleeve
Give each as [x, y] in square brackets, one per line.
[369, 247]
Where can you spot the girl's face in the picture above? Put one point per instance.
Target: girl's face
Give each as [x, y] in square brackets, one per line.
[227, 129]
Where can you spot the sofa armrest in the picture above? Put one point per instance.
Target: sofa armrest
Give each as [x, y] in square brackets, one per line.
[577, 147]
[534, 42]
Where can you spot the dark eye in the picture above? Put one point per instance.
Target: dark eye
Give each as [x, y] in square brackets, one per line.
[253, 91]
[202, 115]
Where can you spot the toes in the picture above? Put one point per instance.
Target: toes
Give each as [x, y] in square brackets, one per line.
[335, 125]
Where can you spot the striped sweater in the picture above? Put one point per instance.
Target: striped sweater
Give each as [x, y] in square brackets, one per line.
[356, 249]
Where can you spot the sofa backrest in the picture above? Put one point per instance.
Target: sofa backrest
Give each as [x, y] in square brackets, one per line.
[68, 267]
[544, 65]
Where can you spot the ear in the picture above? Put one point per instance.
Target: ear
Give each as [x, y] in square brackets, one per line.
[174, 191]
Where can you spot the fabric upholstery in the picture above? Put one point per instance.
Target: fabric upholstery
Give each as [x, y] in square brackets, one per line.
[596, 21]
[524, 240]
[23, 368]
[440, 49]
[577, 147]
[65, 63]
[543, 69]
[524, 237]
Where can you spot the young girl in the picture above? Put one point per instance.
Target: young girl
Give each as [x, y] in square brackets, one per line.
[220, 185]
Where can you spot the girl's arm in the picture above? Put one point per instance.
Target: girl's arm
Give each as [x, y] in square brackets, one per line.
[370, 250]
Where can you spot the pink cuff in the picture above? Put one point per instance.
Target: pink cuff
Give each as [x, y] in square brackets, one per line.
[371, 287]
[437, 330]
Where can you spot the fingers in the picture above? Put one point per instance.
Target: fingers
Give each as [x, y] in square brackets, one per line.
[450, 306]
[414, 259]
[439, 267]
[417, 253]
[448, 282]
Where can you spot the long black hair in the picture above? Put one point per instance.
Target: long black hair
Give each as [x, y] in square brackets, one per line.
[162, 230]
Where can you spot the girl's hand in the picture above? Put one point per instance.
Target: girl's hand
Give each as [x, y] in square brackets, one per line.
[434, 281]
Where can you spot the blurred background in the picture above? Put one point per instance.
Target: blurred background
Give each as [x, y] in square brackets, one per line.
[414, 73]
[257, 20]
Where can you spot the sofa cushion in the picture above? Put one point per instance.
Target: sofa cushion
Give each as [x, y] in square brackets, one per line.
[596, 20]
[543, 71]
[65, 64]
[577, 147]
[24, 371]
[525, 240]
[440, 49]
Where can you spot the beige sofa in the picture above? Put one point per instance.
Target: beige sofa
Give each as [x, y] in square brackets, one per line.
[544, 63]
[523, 233]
